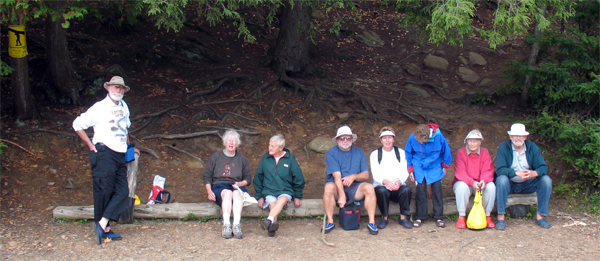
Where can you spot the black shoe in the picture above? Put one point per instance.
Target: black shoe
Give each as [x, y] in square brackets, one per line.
[112, 235]
[382, 224]
[99, 233]
[265, 224]
[272, 228]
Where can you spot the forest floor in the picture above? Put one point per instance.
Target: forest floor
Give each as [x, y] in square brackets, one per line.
[163, 80]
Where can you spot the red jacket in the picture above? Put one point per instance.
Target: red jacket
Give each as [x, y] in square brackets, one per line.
[473, 167]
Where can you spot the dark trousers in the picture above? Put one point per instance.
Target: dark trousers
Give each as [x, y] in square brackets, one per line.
[109, 174]
[402, 196]
[436, 196]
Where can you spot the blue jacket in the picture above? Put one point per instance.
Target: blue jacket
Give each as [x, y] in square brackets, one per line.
[427, 160]
[504, 159]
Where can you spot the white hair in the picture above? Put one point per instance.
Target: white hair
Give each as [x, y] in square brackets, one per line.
[232, 133]
[279, 139]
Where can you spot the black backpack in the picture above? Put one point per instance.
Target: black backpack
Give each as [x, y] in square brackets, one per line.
[380, 151]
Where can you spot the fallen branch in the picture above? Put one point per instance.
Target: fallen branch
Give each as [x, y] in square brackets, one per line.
[19, 146]
[181, 136]
[184, 152]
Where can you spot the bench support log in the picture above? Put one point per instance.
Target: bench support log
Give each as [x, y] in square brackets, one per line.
[310, 207]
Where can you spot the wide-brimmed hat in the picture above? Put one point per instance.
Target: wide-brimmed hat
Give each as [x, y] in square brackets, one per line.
[344, 130]
[474, 134]
[116, 80]
[518, 129]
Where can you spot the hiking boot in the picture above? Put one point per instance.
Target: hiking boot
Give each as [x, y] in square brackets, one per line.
[237, 231]
[272, 228]
[227, 232]
[265, 224]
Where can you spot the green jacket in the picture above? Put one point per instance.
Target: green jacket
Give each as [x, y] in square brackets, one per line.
[283, 178]
[504, 159]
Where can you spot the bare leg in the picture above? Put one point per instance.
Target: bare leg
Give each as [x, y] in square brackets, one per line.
[226, 196]
[367, 192]
[276, 207]
[329, 200]
[238, 205]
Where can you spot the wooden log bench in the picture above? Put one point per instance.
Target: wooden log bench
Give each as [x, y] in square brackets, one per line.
[309, 207]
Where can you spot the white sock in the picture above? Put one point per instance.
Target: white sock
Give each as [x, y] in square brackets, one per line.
[103, 223]
[271, 218]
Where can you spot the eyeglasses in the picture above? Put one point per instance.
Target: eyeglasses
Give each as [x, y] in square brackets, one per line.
[473, 141]
[345, 138]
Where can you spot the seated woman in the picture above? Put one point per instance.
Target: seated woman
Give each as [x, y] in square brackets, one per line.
[389, 169]
[473, 171]
[225, 170]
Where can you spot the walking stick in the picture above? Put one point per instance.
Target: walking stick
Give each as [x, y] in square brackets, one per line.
[323, 232]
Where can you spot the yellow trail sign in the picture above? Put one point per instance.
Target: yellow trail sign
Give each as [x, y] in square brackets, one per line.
[17, 43]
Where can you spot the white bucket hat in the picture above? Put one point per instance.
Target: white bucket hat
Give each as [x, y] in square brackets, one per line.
[116, 80]
[344, 130]
[518, 129]
[474, 134]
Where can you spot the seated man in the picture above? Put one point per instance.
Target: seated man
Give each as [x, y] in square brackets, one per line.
[521, 169]
[473, 171]
[388, 166]
[347, 170]
[276, 184]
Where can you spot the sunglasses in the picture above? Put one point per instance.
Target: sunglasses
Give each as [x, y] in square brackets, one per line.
[345, 138]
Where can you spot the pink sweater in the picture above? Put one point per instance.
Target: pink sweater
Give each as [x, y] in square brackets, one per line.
[473, 167]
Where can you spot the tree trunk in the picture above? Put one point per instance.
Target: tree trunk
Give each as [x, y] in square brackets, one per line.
[535, 49]
[291, 52]
[24, 106]
[64, 77]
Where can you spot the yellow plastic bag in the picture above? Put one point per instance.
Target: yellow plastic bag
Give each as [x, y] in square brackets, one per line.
[137, 200]
[476, 219]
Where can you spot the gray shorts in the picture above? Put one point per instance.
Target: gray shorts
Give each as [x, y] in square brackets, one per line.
[272, 199]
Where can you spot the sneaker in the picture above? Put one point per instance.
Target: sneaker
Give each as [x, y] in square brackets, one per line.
[265, 224]
[227, 232]
[405, 223]
[382, 224]
[329, 227]
[372, 229]
[490, 222]
[272, 228]
[543, 223]
[500, 225]
[237, 231]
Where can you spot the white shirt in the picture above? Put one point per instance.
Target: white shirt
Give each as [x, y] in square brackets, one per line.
[389, 168]
[110, 121]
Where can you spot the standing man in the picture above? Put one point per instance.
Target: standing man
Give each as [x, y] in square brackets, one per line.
[427, 154]
[110, 119]
[278, 180]
[521, 169]
[347, 170]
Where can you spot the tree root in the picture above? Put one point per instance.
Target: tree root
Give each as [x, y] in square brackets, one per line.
[152, 115]
[69, 134]
[18, 146]
[184, 152]
[182, 136]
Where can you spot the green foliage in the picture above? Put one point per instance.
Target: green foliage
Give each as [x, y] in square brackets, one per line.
[450, 20]
[485, 100]
[5, 69]
[567, 79]
[452, 217]
[578, 142]
[532, 213]
[70, 221]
